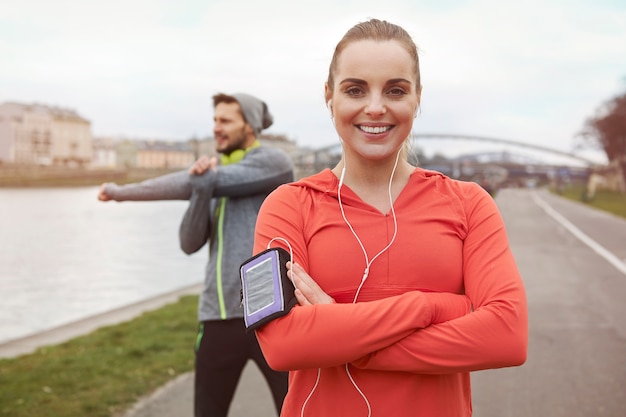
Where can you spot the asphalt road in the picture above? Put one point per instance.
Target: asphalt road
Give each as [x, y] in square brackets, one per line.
[576, 292]
[573, 261]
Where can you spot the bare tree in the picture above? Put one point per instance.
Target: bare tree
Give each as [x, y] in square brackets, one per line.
[607, 130]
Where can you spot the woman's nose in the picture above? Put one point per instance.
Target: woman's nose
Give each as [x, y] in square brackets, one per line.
[375, 106]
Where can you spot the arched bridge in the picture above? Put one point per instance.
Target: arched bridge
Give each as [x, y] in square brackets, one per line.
[313, 160]
[417, 136]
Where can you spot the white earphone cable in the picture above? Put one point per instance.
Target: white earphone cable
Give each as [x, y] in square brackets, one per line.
[368, 262]
[269, 244]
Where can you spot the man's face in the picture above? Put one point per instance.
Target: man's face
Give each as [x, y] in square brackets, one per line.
[231, 131]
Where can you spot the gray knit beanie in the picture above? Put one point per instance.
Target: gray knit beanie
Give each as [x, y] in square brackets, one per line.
[255, 111]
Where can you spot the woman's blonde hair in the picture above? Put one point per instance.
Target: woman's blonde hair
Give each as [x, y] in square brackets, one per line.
[377, 30]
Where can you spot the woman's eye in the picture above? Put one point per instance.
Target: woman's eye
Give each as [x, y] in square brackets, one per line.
[354, 91]
[397, 91]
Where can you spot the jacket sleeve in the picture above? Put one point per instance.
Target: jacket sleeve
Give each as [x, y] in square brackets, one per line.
[174, 186]
[495, 334]
[334, 334]
[195, 227]
[259, 172]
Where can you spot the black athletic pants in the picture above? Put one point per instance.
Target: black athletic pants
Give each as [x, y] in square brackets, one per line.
[222, 350]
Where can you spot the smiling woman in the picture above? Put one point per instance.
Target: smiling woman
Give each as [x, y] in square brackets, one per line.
[426, 288]
[374, 105]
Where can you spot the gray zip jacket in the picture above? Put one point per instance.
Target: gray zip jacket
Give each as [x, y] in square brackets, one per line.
[223, 208]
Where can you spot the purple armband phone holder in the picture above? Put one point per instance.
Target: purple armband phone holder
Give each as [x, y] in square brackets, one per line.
[266, 291]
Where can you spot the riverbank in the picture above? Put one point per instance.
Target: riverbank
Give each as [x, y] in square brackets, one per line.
[59, 334]
[22, 176]
[109, 362]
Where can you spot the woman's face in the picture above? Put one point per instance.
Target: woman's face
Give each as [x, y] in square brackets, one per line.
[374, 98]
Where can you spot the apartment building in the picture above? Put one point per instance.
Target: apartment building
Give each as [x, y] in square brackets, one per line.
[104, 153]
[164, 154]
[124, 153]
[37, 134]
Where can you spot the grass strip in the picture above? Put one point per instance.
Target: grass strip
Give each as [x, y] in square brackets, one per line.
[609, 201]
[105, 372]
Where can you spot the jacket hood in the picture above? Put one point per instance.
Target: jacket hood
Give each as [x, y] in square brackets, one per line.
[324, 181]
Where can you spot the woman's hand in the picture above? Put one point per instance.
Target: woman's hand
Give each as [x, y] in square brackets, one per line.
[307, 291]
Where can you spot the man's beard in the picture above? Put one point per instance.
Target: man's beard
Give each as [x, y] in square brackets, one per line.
[237, 144]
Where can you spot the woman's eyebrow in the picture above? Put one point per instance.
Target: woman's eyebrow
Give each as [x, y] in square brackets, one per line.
[398, 80]
[363, 82]
[353, 81]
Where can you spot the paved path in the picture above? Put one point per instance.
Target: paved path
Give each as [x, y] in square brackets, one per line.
[252, 398]
[576, 363]
[572, 259]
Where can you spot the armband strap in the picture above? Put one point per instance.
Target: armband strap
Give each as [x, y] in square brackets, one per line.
[266, 291]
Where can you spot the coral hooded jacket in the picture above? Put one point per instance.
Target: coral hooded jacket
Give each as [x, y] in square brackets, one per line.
[445, 299]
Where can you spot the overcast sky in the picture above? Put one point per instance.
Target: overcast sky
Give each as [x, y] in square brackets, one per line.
[529, 70]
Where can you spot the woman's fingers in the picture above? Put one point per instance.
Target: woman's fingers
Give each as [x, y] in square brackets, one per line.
[307, 291]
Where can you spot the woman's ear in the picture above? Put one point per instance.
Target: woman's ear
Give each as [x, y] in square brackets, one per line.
[419, 100]
[328, 97]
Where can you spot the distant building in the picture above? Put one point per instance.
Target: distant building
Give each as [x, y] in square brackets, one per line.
[104, 153]
[164, 154]
[126, 154]
[122, 153]
[279, 141]
[37, 134]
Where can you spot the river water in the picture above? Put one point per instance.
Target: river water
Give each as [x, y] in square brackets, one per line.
[65, 256]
